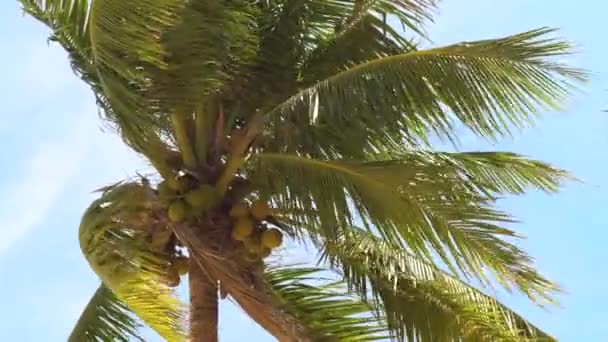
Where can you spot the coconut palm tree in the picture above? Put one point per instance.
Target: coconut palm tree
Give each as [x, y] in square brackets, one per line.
[310, 121]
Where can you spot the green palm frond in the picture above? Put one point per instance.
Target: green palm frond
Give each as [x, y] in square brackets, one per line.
[112, 242]
[165, 55]
[68, 21]
[428, 202]
[369, 38]
[421, 302]
[324, 306]
[303, 41]
[105, 318]
[365, 34]
[70, 25]
[489, 86]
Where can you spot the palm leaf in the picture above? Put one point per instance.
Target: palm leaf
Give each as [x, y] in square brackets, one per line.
[364, 34]
[105, 318]
[367, 39]
[421, 302]
[302, 41]
[163, 56]
[70, 24]
[325, 307]
[115, 250]
[489, 86]
[429, 202]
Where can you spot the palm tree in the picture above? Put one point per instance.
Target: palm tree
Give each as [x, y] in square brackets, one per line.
[313, 120]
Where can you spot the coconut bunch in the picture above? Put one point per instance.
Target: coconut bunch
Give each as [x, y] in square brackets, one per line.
[250, 230]
[187, 199]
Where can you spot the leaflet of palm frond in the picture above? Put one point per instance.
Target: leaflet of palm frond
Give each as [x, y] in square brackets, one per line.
[163, 55]
[420, 301]
[105, 318]
[284, 30]
[295, 34]
[246, 285]
[363, 35]
[70, 25]
[430, 202]
[490, 86]
[210, 44]
[68, 20]
[136, 275]
[368, 39]
[326, 307]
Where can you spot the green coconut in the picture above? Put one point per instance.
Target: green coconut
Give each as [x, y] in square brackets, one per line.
[242, 229]
[239, 210]
[172, 277]
[182, 265]
[253, 244]
[272, 238]
[165, 192]
[252, 257]
[178, 211]
[203, 198]
[265, 252]
[260, 210]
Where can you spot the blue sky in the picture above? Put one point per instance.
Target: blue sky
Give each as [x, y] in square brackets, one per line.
[54, 154]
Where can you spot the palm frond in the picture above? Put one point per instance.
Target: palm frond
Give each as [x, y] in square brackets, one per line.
[367, 39]
[421, 302]
[68, 20]
[114, 247]
[325, 307]
[489, 86]
[105, 318]
[163, 56]
[428, 202]
[70, 25]
[365, 34]
[302, 41]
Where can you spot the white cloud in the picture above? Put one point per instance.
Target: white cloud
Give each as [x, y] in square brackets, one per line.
[24, 204]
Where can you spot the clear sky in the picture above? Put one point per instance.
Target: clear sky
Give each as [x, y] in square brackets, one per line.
[54, 154]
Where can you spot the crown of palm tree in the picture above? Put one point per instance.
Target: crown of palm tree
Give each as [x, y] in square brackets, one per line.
[323, 111]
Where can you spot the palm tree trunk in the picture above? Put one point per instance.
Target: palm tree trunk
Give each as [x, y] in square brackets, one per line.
[203, 306]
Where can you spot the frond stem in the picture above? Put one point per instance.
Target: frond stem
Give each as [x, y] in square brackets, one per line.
[180, 128]
[202, 122]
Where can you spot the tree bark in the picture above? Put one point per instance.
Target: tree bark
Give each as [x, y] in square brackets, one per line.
[203, 306]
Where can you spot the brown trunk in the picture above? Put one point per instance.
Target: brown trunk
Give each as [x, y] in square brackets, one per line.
[246, 285]
[203, 306]
[279, 326]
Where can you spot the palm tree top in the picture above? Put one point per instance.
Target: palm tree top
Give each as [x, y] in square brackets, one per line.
[310, 120]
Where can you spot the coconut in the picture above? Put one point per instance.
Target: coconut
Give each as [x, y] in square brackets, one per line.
[202, 198]
[260, 210]
[265, 252]
[239, 210]
[178, 211]
[252, 257]
[165, 192]
[242, 228]
[272, 238]
[172, 277]
[253, 245]
[182, 265]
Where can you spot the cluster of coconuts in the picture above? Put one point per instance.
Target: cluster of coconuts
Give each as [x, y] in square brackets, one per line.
[248, 228]
[184, 204]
